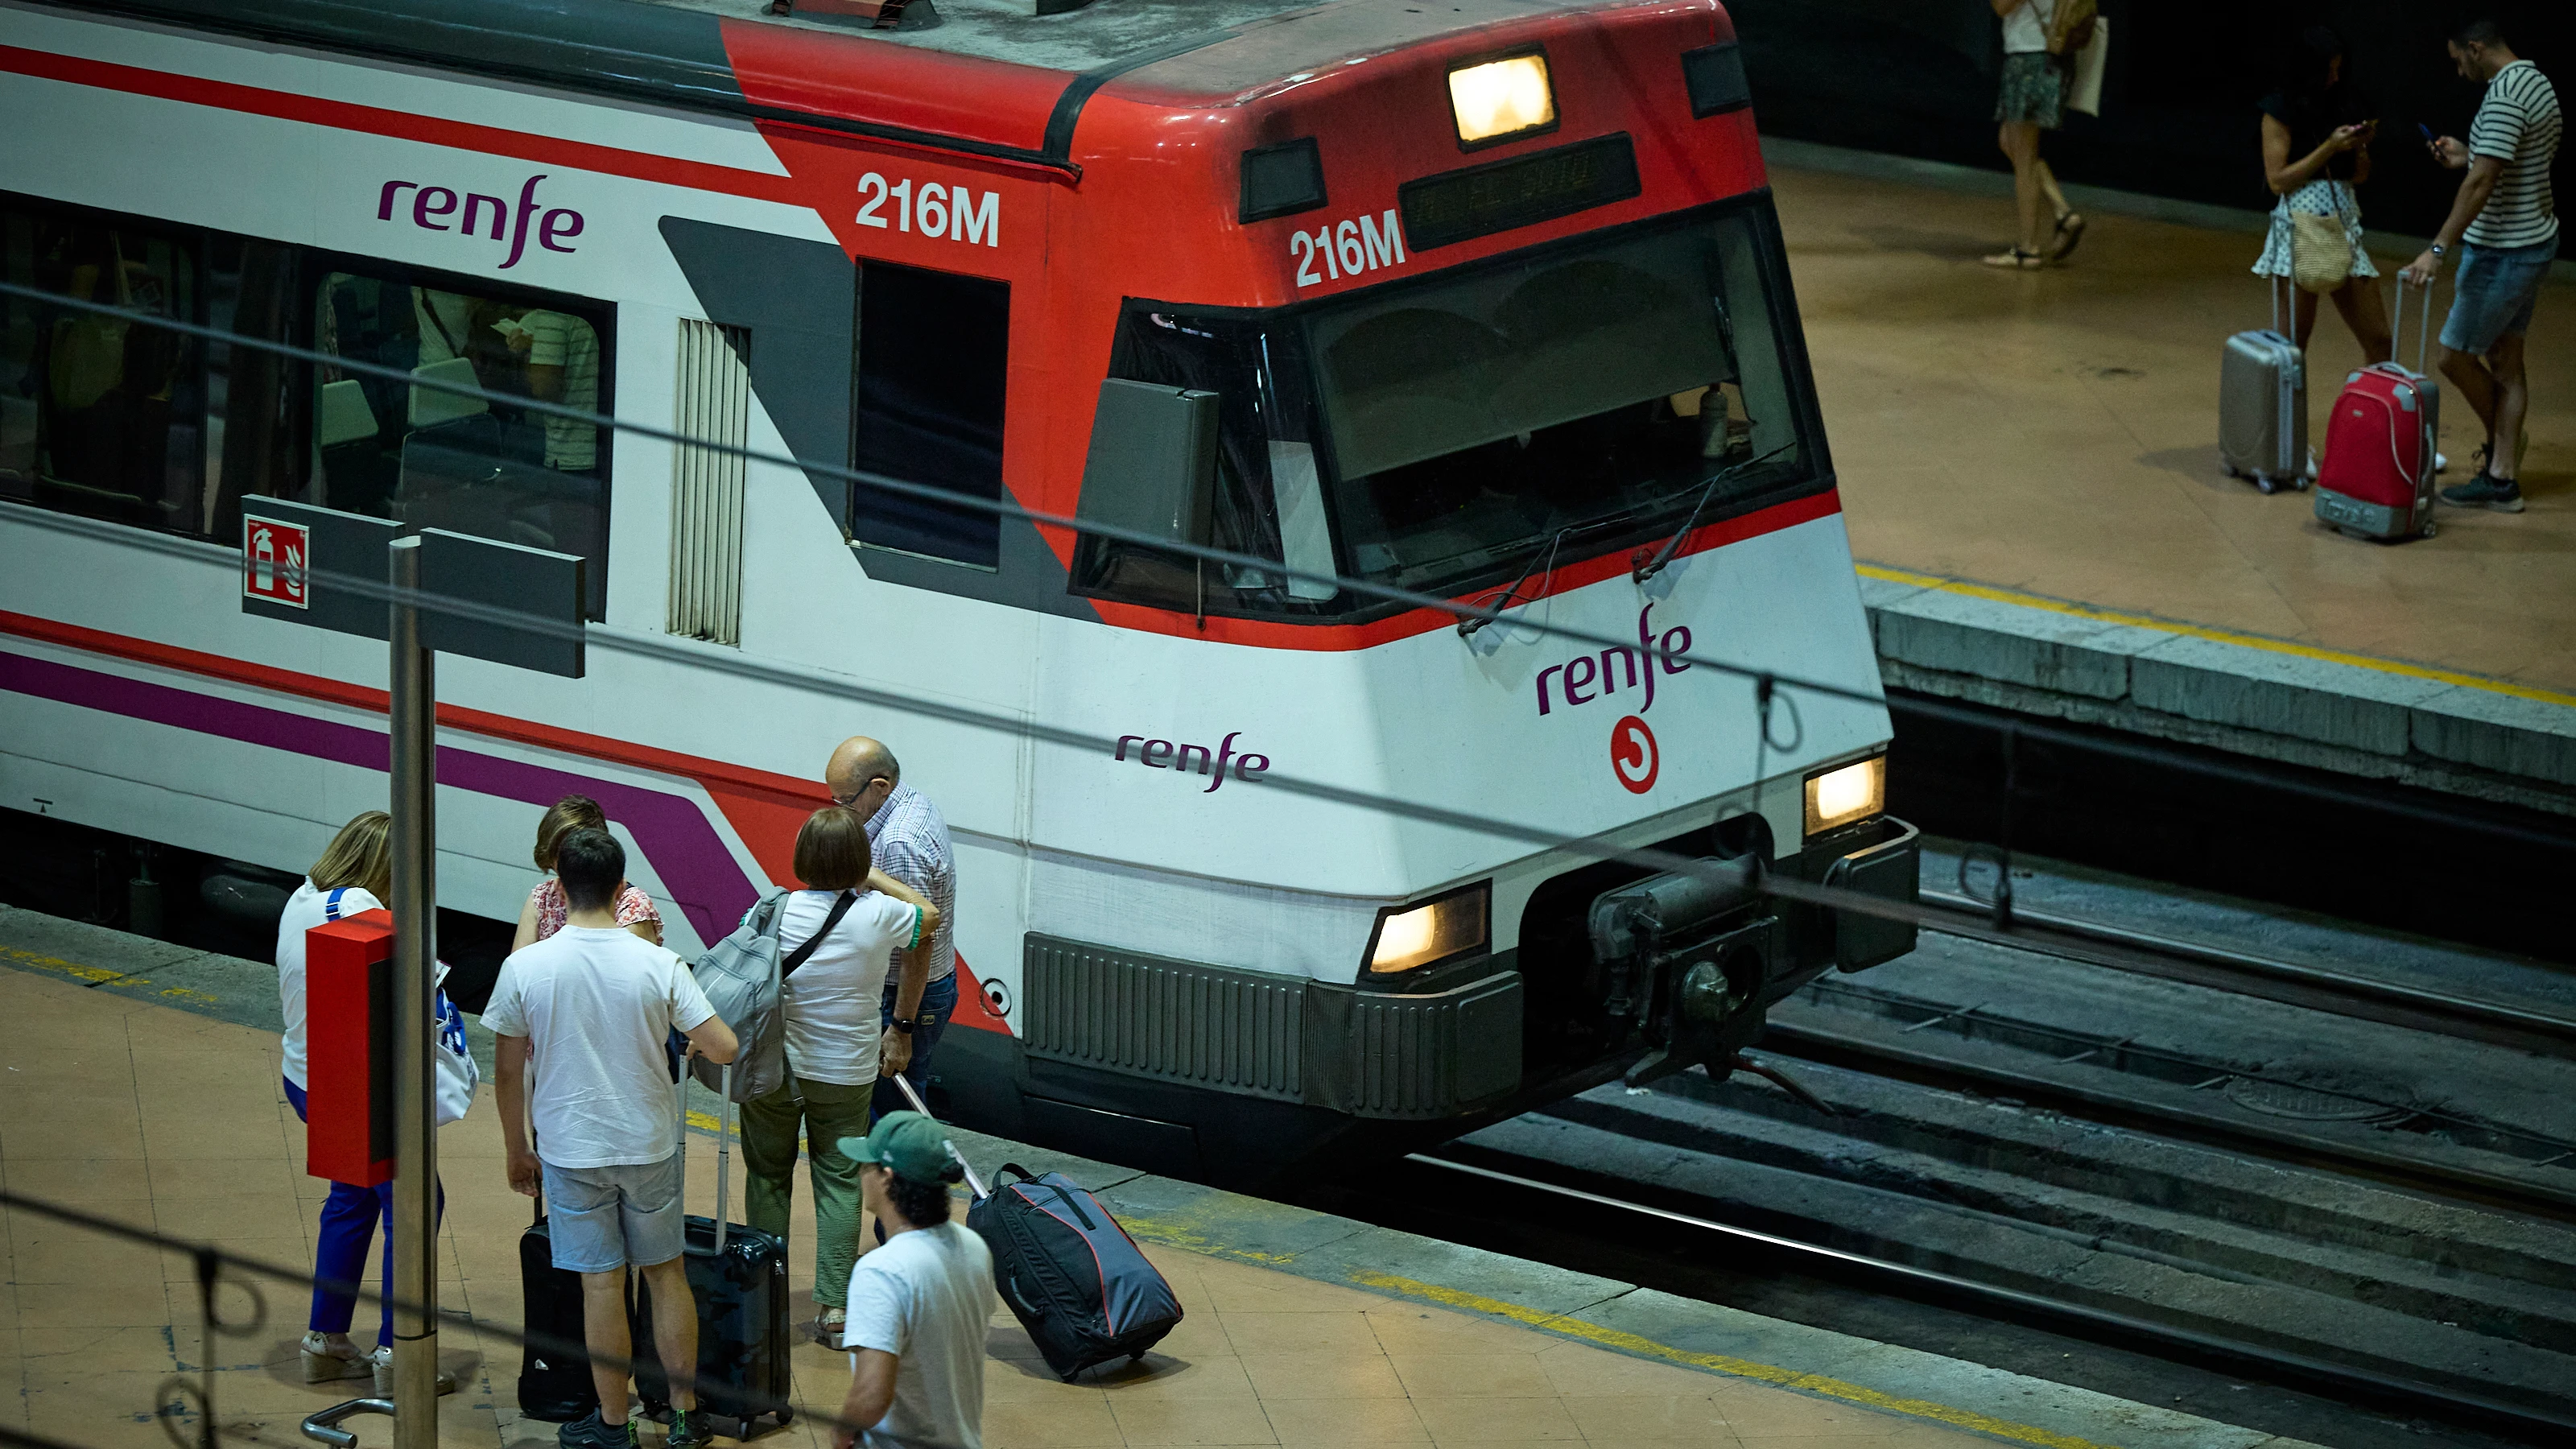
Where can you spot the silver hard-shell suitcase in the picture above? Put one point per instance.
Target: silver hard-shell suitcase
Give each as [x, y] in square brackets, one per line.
[2263, 407]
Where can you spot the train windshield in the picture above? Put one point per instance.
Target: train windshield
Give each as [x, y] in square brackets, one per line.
[1508, 418]
[1477, 427]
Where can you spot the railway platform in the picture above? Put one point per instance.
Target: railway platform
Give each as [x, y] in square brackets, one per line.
[2030, 474]
[153, 1102]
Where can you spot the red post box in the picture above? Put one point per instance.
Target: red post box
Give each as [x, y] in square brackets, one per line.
[349, 1049]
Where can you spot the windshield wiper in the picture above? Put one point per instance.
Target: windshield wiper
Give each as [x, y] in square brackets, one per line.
[1546, 549]
[1663, 556]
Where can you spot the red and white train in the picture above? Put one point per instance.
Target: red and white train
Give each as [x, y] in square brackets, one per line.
[1485, 300]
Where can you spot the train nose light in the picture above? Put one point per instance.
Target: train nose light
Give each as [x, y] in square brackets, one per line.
[1501, 99]
[1854, 792]
[1438, 930]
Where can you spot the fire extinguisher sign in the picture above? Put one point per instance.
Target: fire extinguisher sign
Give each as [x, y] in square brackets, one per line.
[274, 558]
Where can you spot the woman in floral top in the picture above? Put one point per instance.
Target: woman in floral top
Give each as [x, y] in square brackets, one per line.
[544, 913]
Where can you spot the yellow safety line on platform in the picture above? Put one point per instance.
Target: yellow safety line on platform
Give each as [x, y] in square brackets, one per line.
[2204, 631]
[1611, 1338]
[93, 975]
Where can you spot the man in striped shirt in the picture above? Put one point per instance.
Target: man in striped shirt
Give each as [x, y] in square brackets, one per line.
[2505, 223]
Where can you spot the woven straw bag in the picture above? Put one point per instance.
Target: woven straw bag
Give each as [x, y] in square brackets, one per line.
[2320, 251]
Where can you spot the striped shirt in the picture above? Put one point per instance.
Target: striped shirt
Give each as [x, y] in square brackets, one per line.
[908, 839]
[2518, 124]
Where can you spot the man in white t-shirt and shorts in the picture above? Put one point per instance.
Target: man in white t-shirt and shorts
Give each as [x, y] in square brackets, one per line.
[919, 1301]
[593, 1005]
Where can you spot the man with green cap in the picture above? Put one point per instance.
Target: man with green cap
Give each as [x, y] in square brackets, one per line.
[919, 1301]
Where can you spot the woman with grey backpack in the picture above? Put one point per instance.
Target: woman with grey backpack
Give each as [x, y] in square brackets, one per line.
[835, 938]
[2317, 130]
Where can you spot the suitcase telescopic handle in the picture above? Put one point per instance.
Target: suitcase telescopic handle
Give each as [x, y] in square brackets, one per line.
[974, 1184]
[2423, 324]
[724, 1145]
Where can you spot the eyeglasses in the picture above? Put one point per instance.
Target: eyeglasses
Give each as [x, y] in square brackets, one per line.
[852, 798]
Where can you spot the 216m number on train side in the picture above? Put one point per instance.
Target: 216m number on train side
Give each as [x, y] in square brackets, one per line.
[1347, 248]
[949, 211]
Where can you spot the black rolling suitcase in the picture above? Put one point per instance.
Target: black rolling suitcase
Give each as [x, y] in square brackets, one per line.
[1071, 1275]
[553, 1385]
[738, 1276]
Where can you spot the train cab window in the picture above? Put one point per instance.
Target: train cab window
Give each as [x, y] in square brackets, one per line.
[930, 384]
[101, 413]
[1544, 406]
[488, 466]
[1269, 499]
[1483, 424]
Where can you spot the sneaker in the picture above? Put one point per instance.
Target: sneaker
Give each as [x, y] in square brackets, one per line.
[325, 1360]
[2441, 461]
[689, 1429]
[2501, 494]
[594, 1433]
[383, 1359]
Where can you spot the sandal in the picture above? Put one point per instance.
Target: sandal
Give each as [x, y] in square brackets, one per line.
[829, 1326]
[2070, 230]
[2017, 259]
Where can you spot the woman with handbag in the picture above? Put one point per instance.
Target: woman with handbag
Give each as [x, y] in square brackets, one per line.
[2317, 130]
[838, 937]
[355, 875]
[2041, 40]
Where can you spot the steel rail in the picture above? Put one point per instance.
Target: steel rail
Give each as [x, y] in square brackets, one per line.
[2343, 1378]
[2319, 988]
[2278, 1141]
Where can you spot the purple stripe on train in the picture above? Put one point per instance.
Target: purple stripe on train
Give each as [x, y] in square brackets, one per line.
[705, 880]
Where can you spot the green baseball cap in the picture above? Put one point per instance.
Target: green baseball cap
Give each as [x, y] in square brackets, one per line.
[907, 1144]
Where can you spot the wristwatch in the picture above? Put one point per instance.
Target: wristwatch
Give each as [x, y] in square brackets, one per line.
[904, 1024]
[2437, 249]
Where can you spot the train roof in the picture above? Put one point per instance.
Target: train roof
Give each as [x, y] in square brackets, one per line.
[989, 77]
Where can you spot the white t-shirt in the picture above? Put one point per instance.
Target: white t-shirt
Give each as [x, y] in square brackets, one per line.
[925, 1296]
[598, 1002]
[833, 1001]
[307, 908]
[2026, 29]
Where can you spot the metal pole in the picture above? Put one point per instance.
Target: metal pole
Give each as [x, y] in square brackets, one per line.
[414, 704]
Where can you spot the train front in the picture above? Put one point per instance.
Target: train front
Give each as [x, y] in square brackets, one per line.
[1499, 313]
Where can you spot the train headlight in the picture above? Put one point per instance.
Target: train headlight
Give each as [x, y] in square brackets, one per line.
[1442, 929]
[1840, 796]
[1500, 99]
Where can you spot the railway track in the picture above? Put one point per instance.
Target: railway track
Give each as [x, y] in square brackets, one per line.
[1883, 1274]
[2340, 1185]
[2117, 1082]
[2302, 984]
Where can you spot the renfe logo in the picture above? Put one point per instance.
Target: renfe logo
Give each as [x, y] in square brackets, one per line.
[1160, 755]
[1581, 673]
[431, 204]
[1633, 756]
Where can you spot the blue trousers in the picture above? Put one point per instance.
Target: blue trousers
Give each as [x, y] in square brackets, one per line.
[349, 1218]
[938, 1003]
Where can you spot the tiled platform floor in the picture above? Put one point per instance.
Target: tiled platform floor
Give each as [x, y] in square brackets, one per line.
[149, 1115]
[2056, 432]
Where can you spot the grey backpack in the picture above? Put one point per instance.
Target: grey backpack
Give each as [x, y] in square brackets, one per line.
[743, 978]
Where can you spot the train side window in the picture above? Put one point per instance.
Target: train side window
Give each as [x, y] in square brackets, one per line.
[488, 466]
[929, 387]
[101, 413]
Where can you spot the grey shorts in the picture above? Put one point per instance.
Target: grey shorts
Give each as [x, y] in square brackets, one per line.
[603, 1218]
[2494, 294]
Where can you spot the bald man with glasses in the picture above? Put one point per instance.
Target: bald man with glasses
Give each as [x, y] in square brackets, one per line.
[908, 840]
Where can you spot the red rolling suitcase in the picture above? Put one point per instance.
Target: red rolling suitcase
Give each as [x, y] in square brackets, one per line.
[2377, 478]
